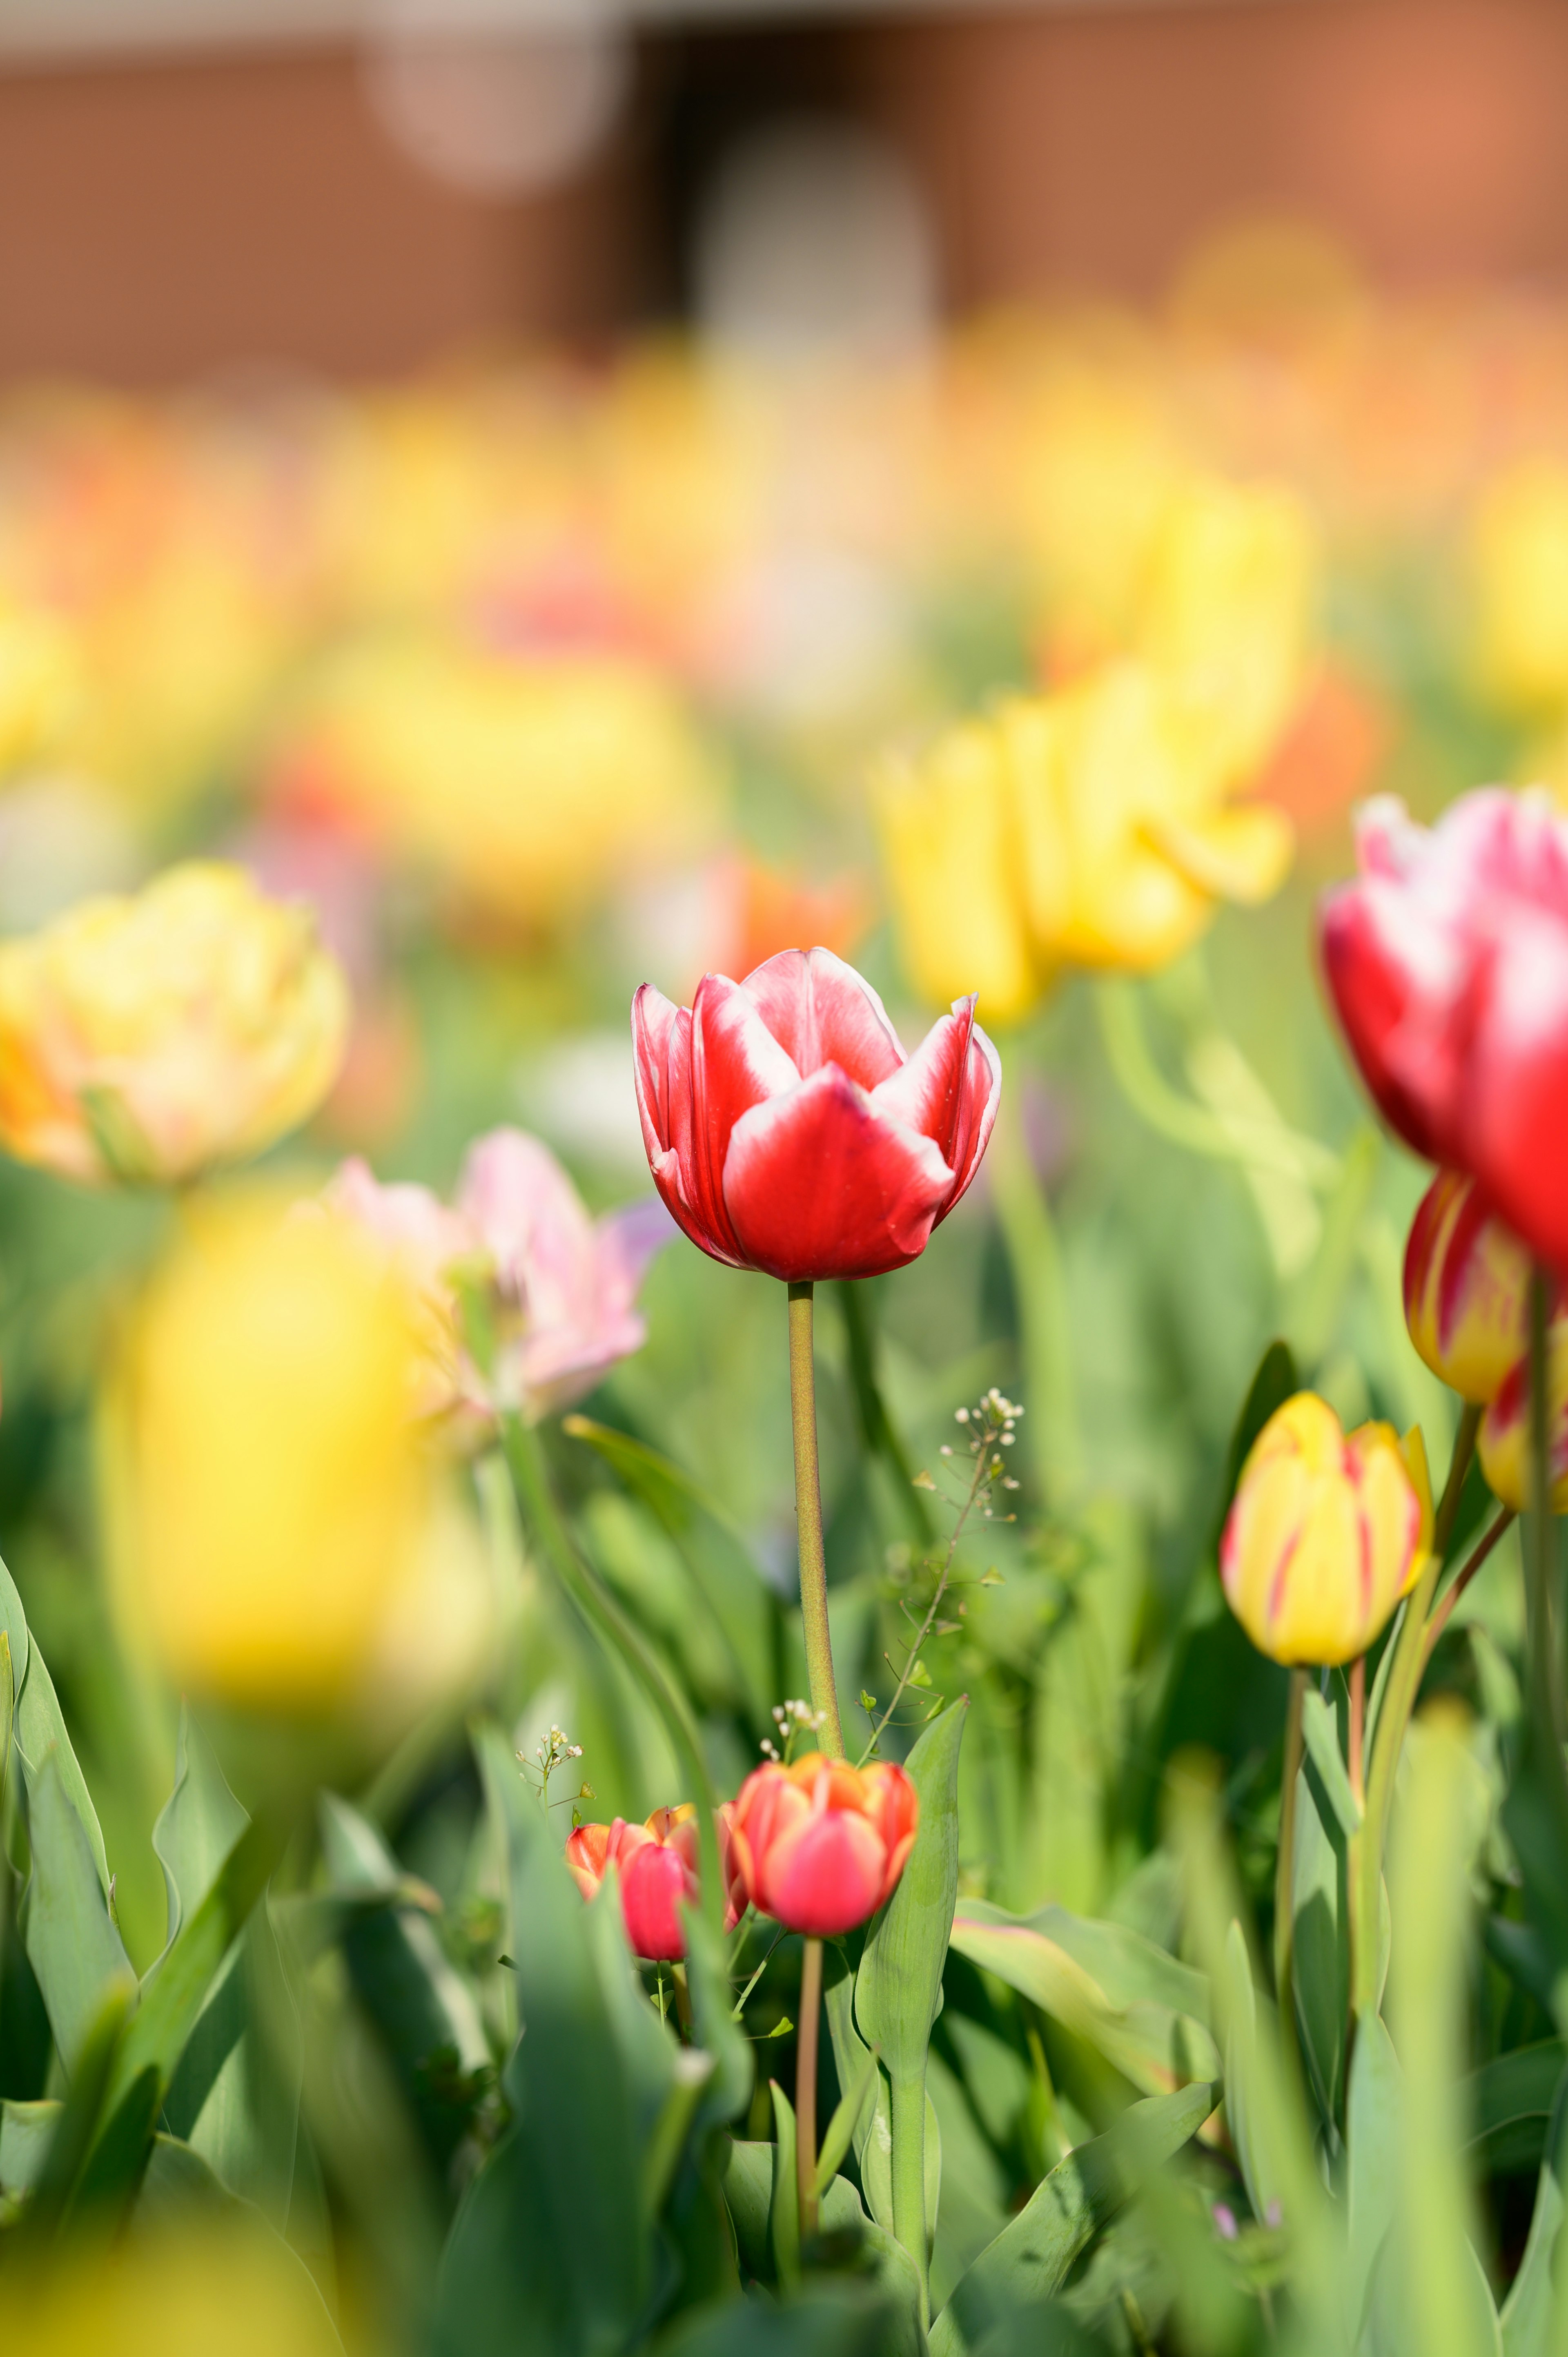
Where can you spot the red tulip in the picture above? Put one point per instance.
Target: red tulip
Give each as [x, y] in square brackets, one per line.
[1466, 1289]
[1448, 961]
[657, 1867]
[820, 1846]
[788, 1131]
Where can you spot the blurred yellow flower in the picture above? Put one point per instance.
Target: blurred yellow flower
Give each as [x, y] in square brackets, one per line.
[1503, 1443]
[1227, 615]
[534, 786]
[151, 1037]
[1326, 1533]
[267, 1498]
[176, 2294]
[39, 684]
[1091, 827]
[1518, 568]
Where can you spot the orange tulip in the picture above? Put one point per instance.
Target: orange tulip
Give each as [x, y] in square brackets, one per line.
[655, 1865]
[820, 1846]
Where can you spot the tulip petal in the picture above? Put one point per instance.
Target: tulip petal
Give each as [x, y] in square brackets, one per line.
[661, 1042]
[1516, 1130]
[736, 1063]
[829, 1876]
[948, 1090]
[819, 1184]
[822, 1012]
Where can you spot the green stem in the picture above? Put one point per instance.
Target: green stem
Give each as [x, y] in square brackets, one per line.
[806, 2085]
[1477, 1556]
[809, 1521]
[1393, 1717]
[876, 1429]
[1546, 1671]
[909, 2171]
[1039, 1286]
[536, 1502]
[1284, 1864]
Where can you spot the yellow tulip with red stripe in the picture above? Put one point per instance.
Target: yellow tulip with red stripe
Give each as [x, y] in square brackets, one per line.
[1503, 1443]
[1466, 1289]
[1326, 1533]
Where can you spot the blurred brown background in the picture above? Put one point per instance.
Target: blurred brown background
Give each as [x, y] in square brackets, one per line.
[168, 210]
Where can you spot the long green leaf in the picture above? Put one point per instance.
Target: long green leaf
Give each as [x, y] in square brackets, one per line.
[72, 1944]
[1320, 1731]
[1033, 2254]
[1529, 2311]
[198, 1826]
[39, 1724]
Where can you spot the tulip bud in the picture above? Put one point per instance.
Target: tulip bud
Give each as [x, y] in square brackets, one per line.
[268, 1499]
[1324, 1535]
[1466, 1289]
[148, 1039]
[819, 1845]
[655, 1865]
[1503, 1442]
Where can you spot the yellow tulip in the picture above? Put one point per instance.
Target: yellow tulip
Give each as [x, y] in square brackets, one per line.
[267, 1495]
[1518, 562]
[1226, 615]
[1466, 1289]
[1084, 828]
[150, 1038]
[172, 2295]
[531, 785]
[1326, 1533]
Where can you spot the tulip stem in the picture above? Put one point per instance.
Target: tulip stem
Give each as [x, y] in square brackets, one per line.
[1477, 1556]
[806, 2036]
[1358, 1725]
[1284, 1864]
[536, 1502]
[1393, 1717]
[809, 1522]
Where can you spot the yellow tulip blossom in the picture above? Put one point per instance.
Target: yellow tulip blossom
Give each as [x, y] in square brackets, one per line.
[532, 785]
[1227, 615]
[1503, 1442]
[40, 681]
[1326, 1533]
[1519, 565]
[181, 2292]
[1089, 828]
[267, 1495]
[152, 1036]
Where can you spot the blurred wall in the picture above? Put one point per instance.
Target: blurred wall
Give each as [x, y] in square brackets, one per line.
[165, 217]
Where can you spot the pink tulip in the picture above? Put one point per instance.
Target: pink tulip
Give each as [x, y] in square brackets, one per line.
[565, 1286]
[1447, 961]
[819, 1845]
[788, 1131]
[655, 1865]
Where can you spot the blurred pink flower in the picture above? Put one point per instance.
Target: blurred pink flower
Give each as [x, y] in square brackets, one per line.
[564, 1286]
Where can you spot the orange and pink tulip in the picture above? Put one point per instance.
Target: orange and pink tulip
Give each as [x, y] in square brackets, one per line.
[819, 1845]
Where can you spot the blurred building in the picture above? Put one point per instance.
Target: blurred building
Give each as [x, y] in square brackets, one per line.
[222, 183]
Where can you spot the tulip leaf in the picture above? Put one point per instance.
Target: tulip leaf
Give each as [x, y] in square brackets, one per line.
[747, 2183]
[784, 2200]
[1035, 2251]
[549, 2253]
[38, 1724]
[1147, 2014]
[1320, 1732]
[1509, 2102]
[1372, 2114]
[177, 2185]
[1321, 1952]
[712, 1546]
[898, 1988]
[73, 1944]
[872, 2131]
[76, 2121]
[841, 2213]
[713, 2023]
[234, 2095]
[1527, 2312]
[427, 2014]
[27, 2131]
[199, 1825]
[828, 2320]
[842, 2126]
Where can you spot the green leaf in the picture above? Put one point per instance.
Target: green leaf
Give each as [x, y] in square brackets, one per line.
[712, 1546]
[841, 2127]
[27, 2131]
[7, 1718]
[549, 2255]
[1147, 2014]
[178, 2186]
[77, 2119]
[784, 2203]
[873, 2129]
[748, 2197]
[199, 1825]
[39, 1725]
[1509, 2102]
[1320, 1732]
[1373, 2133]
[848, 2320]
[898, 1989]
[1529, 2311]
[1321, 1953]
[425, 2012]
[717, 2032]
[176, 1987]
[72, 1945]
[1035, 2251]
[842, 2213]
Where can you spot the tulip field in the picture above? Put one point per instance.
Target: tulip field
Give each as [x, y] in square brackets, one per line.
[785, 1402]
